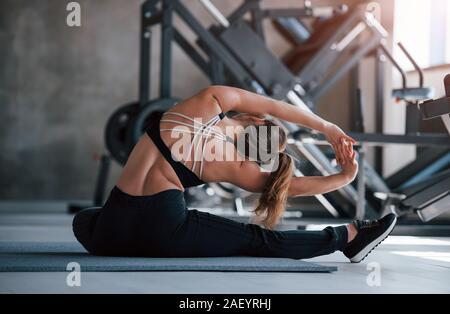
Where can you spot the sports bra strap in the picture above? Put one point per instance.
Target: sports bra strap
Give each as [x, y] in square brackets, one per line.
[201, 132]
[187, 177]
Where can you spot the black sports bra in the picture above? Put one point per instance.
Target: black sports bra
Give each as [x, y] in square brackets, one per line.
[187, 176]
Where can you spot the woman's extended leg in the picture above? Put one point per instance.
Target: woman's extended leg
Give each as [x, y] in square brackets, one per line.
[204, 234]
[161, 225]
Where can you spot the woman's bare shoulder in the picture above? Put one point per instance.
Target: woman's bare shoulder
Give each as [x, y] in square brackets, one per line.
[201, 105]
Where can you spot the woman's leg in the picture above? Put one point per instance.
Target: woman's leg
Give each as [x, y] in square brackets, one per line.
[204, 234]
[83, 226]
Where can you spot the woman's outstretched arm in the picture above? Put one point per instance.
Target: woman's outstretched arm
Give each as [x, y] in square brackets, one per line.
[309, 186]
[250, 177]
[235, 99]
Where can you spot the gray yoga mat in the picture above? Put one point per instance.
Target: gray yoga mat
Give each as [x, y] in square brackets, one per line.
[55, 256]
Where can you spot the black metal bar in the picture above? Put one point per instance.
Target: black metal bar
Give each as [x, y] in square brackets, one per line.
[416, 188]
[413, 118]
[424, 197]
[360, 212]
[216, 71]
[256, 21]
[190, 51]
[447, 85]
[424, 139]
[144, 68]
[219, 68]
[394, 63]
[152, 20]
[425, 159]
[147, 11]
[214, 46]
[438, 107]
[354, 105]
[375, 139]
[379, 107]
[314, 71]
[253, 5]
[102, 178]
[356, 56]
[414, 63]
[242, 10]
[434, 209]
[435, 108]
[360, 125]
[166, 49]
[258, 60]
[276, 13]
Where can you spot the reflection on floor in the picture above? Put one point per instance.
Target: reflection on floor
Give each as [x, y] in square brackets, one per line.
[402, 264]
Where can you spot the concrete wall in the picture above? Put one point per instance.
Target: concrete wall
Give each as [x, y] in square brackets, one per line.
[57, 87]
[59, 84]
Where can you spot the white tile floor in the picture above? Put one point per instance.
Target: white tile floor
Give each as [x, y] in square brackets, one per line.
[405, 265]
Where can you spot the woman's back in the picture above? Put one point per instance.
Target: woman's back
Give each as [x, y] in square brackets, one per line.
[148, 172]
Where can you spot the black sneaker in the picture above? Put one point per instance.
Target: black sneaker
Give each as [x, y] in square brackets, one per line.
[370, 234]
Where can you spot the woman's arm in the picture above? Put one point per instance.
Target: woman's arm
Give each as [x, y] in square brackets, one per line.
[250, 177]
[309, 186]
[235, 99]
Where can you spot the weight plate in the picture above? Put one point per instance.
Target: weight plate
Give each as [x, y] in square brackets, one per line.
[117, 130]
[140, 122]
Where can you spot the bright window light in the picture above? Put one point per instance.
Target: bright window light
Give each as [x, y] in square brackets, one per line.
[423, 26]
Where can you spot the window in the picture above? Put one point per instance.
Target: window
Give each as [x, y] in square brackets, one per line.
[423, 26]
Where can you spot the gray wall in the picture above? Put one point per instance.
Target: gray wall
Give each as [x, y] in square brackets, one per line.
[59, 84]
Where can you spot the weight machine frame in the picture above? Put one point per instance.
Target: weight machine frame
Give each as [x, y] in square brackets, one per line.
[219, 57]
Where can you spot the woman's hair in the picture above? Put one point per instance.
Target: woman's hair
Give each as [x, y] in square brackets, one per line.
[272, 201]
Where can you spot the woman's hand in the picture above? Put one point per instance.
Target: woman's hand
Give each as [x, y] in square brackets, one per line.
[342, 143]
[310, 186]
[349, 167]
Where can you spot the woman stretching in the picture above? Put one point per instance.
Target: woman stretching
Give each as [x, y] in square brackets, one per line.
[146, 214]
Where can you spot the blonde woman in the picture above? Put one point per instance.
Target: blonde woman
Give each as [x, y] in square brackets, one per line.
[146, 215]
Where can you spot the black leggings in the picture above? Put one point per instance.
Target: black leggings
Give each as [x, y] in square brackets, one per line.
[160, 225]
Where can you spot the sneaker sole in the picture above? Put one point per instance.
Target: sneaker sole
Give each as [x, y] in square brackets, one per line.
[371, 246]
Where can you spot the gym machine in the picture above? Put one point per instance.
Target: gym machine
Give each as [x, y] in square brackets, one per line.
[431, 197]
[432, 160]
[317, 49]
[428, 197]
[359, 21]
[333, 47]
[357, 34]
